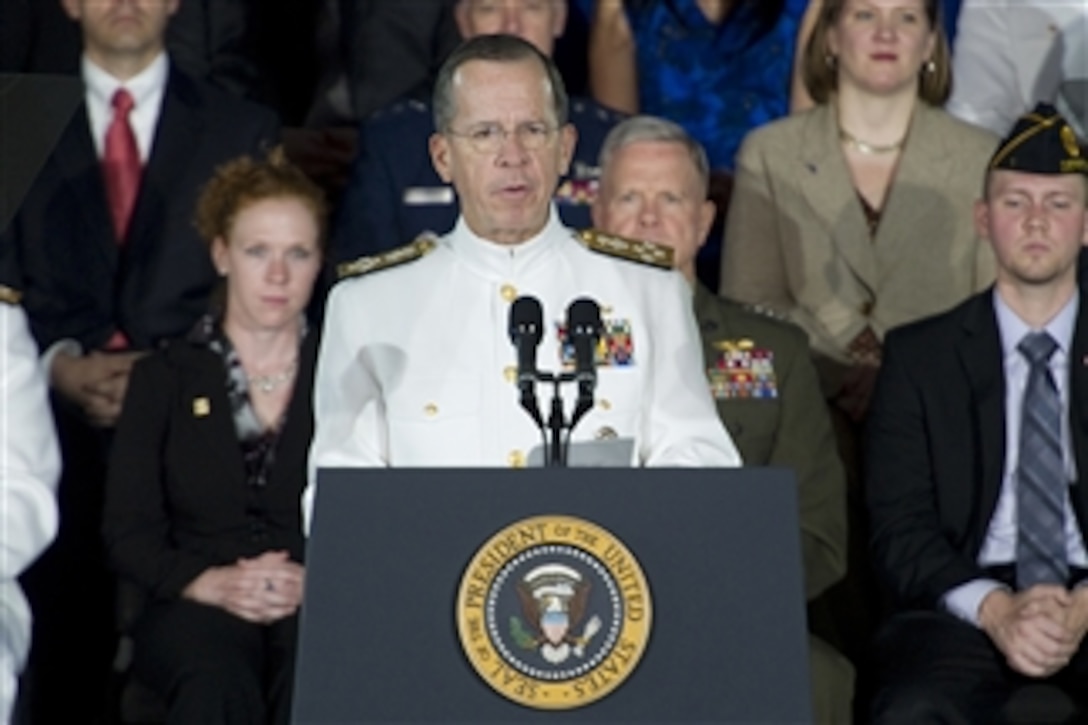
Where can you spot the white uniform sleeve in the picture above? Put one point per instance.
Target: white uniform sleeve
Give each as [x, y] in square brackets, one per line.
[680, 425]
[29, 470]
[986, 86]
[349, 417]
[29, 456]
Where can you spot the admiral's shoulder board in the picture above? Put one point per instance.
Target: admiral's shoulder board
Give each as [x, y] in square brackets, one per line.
[9, 296]
[423, 245]
[655, 255]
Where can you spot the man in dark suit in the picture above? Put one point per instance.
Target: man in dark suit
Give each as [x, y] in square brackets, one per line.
[214, 40]
[654, 184]
[978, 430]
[368, 54]
[110, 264]
[395, 194]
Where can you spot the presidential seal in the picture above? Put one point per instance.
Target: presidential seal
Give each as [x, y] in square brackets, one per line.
[554, 612]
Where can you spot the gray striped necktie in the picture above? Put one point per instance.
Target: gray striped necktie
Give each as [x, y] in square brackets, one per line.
[1040, 476]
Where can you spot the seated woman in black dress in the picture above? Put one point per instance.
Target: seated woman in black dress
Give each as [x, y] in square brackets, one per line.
[209, 461]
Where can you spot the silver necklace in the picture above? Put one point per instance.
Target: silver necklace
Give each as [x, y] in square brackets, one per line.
[268, 383]
[866, 148]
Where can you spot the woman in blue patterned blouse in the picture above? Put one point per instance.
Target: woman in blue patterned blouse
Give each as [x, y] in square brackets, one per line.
[719, 68]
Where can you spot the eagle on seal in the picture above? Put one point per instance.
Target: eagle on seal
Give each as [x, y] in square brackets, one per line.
[553, 600]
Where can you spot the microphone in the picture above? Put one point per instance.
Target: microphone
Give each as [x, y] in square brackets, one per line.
[526, 328]
[584, 332]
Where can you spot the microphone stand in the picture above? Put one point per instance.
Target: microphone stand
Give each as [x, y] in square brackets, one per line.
[556, 453]
[528, 402]
[525, 329]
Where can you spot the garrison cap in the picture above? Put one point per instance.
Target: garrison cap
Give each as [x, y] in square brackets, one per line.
[1042, 142]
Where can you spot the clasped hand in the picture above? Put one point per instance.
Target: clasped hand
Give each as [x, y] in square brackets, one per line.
[263, 589]
[1039, 629]
[96, 382]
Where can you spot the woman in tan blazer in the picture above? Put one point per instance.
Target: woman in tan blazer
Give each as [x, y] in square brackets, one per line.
[856, 216]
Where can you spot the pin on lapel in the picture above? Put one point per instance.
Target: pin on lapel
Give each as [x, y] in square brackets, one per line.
[201, 407]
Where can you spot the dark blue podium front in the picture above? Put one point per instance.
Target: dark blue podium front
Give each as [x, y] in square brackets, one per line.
[720, 550]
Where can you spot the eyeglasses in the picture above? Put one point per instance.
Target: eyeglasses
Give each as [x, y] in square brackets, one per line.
[488, 138]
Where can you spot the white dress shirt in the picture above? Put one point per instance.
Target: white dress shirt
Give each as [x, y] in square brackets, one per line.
[999, 546]
[417, 369]
[147, 89]
[1010, 54]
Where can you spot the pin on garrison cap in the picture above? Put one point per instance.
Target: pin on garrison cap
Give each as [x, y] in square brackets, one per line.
[1042, 142]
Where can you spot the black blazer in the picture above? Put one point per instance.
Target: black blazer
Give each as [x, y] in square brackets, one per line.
[177, 501]
[936, 447]
[61, 250]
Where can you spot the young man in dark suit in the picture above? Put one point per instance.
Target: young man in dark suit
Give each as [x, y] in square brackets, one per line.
[978, 432]
[654, 183]
[110, 264]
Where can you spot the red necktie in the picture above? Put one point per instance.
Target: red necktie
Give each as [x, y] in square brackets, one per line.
[122, 170]
[121, 164]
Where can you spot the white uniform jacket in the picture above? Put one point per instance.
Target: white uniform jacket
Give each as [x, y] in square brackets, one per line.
[29, 470]
[417, 368]
[1011, 54]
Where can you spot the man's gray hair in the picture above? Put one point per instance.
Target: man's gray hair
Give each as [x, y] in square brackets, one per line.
[500, 49]
[652, 128]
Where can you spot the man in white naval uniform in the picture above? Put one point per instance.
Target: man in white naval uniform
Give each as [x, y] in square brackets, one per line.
[416, 366]
[29, 468]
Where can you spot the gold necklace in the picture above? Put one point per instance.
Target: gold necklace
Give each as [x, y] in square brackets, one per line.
[866, 148]
[268, 383]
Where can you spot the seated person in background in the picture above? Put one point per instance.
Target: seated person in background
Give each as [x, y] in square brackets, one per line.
[214, 40]
[719, 68]
[29, 469]
[978, 437]
[380, 396]
[654, 180]
[394, 194]
[854, 217]
[1012, 53]
[104, 251]
[209, 461]
[368, 53]
[800, 100]
[374, 52]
